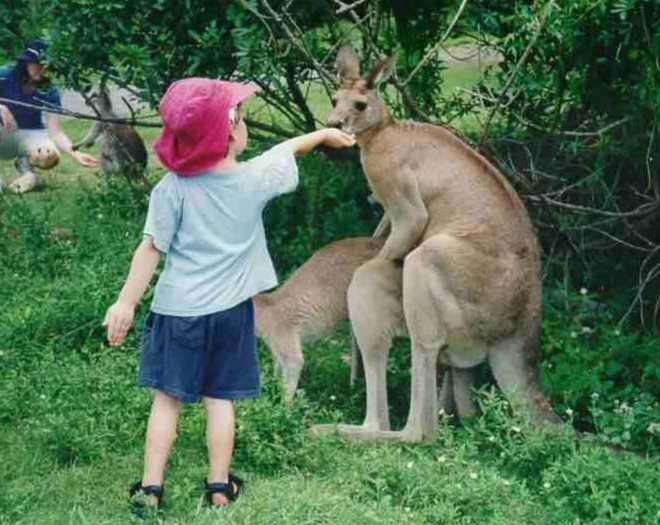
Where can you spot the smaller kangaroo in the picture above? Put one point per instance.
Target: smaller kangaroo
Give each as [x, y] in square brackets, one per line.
[122, 149]
[313, 301]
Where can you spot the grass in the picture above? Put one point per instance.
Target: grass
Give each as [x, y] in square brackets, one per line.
[74, 443]
[72, 420]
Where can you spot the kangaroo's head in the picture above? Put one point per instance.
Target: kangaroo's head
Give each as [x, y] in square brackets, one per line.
[101, 100]
[356, 104]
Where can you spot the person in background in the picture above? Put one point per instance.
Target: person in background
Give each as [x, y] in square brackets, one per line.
[31, 137]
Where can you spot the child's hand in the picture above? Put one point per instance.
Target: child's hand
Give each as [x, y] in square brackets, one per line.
[118, 320]
[335, 138]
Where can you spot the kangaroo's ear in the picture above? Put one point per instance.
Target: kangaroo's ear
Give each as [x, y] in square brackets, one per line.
[348, 66]
[380, 72]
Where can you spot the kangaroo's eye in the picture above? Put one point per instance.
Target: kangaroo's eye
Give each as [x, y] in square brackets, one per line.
[333, 102]
[360, 106]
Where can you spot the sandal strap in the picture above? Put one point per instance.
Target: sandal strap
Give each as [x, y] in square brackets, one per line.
[218, 488]
[231, 489]
[151, 490]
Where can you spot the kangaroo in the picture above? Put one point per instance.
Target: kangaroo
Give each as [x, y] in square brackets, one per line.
[312, 302]
[470, 279]
[122, 149]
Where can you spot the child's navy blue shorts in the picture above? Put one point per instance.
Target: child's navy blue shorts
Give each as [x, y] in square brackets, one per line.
[211, 355]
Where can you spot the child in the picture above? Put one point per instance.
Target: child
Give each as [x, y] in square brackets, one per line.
[205, 215]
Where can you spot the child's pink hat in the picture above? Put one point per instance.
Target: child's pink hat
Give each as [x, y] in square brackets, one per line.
[196, 123]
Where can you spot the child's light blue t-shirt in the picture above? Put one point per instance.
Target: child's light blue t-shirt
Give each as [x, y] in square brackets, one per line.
[210, 226]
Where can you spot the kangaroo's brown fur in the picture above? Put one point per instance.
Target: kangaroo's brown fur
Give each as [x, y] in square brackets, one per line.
[310, 303]
[313, 301]
[471, 286]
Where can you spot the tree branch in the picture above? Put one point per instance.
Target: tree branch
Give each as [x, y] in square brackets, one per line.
[437, 46]
[515, 71]
[84, 116]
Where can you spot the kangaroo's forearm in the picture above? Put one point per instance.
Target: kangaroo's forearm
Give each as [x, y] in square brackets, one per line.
[404, 236]
[383, 227]
[91, 136]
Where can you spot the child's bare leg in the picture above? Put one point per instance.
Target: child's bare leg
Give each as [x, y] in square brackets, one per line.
[220, 441]
[161, 432]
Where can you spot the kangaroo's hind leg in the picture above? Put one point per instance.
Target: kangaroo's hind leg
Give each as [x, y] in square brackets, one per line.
[463, 382]
[430, 310]
[455, 391]
[514, 365]
[428, 307]
[376, 314]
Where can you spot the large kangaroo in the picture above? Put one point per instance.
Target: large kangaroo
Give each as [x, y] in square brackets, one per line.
[312, 302]
[471, 288]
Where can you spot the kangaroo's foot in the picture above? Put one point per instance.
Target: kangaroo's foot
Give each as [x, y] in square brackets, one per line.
[368, 433]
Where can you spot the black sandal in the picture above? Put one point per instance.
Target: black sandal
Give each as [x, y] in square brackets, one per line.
[231, 489]
[137, 494]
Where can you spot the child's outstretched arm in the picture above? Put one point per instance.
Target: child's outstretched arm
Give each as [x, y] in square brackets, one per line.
[119, 316]
[331, 137]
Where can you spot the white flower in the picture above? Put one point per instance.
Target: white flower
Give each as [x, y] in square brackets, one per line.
[406, 509]
[441, 459]
[491, 438]
[617, 332]
[42, 396]
[583, 291]
[515, 429]
[441, 412]
[586, 330]
[595, 395]
[473, 475]
[653, 428]
[333, 398]
[569, 412]
[546, 485]
[410, 464]
[506, 482]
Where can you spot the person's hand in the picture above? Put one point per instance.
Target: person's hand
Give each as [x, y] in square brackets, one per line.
[85, 159]
[118, 319]
[7, 119]
[335, 138]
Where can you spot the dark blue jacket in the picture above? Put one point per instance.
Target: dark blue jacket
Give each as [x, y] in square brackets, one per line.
[26, 118]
